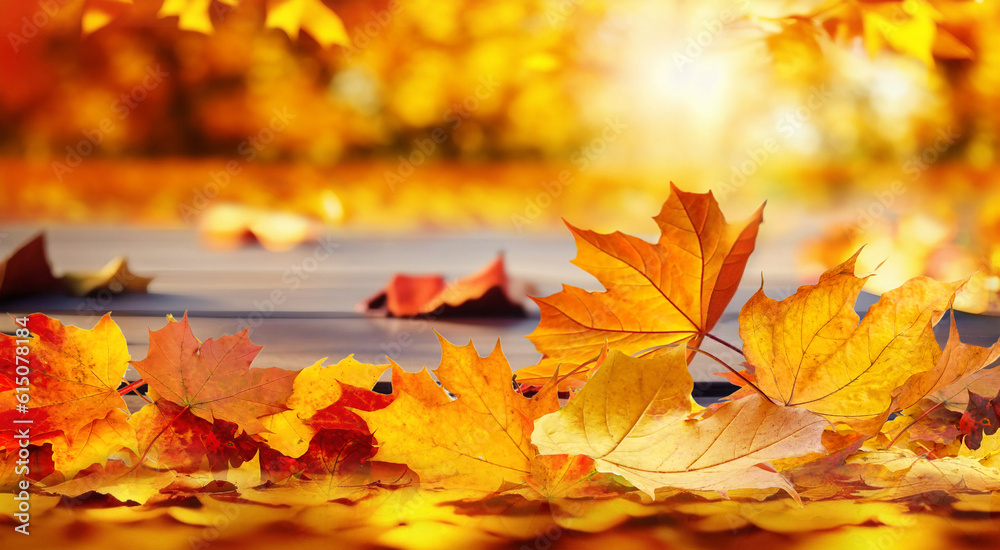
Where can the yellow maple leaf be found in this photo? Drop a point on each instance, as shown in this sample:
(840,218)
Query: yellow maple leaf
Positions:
(95,443)
(913,36)
(315,387)
(480,440)
(115,278)
(634,418)
(810,350)
(957,363)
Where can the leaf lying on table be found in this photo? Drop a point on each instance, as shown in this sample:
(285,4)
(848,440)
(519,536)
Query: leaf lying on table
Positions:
(657,294)
(948,404)
(26,272)
(41,468)
(115,278)
(924,426)
(339,446)
(957,367)
(227,226)
(95,443)
(483,294)
(636,418)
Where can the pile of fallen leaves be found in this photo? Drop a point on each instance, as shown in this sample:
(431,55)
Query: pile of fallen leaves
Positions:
(844,431)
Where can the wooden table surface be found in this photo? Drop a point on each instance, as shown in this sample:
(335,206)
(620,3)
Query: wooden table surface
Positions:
(221,290)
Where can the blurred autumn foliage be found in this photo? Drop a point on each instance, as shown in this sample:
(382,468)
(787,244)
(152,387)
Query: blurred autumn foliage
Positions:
(409,67)
(396,70)
(460,113)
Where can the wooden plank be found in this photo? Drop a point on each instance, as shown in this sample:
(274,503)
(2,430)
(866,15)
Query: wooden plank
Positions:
(233,283)
(225,291)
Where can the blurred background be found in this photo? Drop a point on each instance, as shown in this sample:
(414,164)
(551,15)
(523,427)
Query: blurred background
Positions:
(859,121)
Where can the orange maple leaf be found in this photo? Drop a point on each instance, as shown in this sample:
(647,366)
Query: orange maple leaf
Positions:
(657,294)
(74,374)
(213,379)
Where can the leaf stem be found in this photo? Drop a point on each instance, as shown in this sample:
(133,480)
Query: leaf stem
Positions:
(577,369)
(915,420)
(717,360)
(153,441)
(724,343)
(133,388)
(128,389)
